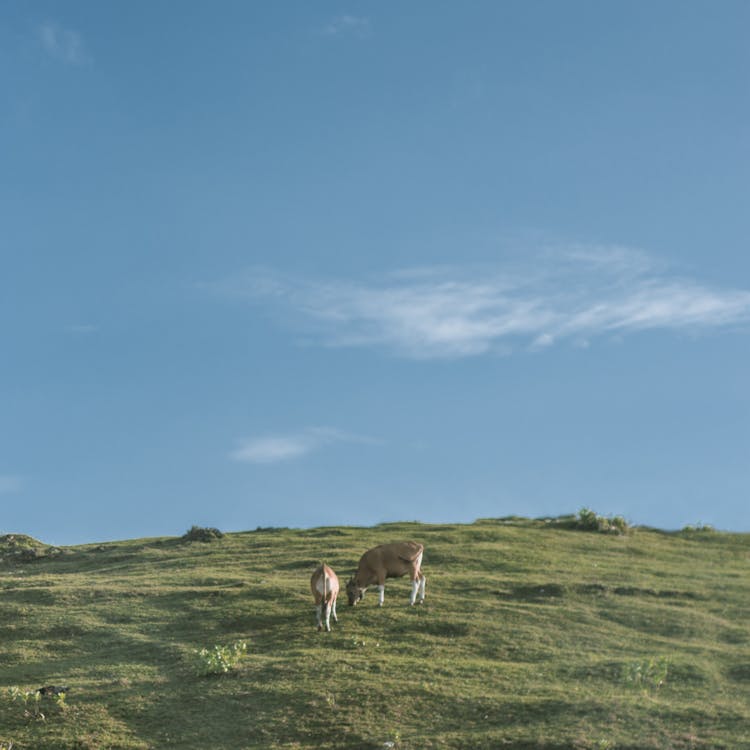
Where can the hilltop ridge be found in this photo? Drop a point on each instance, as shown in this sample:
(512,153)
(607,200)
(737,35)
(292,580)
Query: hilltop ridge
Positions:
(534,634)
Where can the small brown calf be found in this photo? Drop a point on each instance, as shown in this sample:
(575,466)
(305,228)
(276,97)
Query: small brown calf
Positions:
(324,585)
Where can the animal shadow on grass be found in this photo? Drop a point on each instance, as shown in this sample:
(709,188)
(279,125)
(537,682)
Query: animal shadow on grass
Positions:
(439,628)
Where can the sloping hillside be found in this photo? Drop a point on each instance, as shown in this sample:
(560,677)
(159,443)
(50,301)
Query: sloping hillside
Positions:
(533,635)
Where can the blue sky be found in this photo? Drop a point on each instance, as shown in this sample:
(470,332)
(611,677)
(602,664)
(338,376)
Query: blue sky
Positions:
(342,263)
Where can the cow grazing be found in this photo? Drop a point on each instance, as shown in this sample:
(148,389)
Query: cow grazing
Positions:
(388,561)
(324,585)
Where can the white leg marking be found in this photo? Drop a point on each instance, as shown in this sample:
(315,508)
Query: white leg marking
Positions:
(335,618)
(381,595)
(413,595)
(422,585)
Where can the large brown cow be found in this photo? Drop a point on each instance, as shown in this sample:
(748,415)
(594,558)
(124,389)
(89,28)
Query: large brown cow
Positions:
(388,561)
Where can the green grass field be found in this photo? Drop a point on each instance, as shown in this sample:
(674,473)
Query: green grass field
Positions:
(533,635)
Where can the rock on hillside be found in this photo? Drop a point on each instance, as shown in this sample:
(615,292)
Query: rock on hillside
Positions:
(25,548)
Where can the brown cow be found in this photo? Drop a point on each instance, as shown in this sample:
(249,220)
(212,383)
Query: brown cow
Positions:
(388,561)
(324,585)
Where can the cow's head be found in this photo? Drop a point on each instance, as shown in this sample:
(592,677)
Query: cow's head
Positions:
(354,592)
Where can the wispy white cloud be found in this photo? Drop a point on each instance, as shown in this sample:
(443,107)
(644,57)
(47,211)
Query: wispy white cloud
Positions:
(10,484)
(574,294)
(347,24)
(269,449)
(63,44)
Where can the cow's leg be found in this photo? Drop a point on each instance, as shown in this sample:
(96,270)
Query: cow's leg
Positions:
(414,588)
(318,611)
(422,584)
(327,614)
(381,588)
(333,608)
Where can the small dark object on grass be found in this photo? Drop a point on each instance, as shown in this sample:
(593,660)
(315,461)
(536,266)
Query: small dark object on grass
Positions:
(202,534)
(53,690)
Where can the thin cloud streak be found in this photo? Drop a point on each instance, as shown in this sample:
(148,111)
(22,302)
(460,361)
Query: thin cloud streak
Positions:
(575,295)
(63,44)
(347,24)
(271,449)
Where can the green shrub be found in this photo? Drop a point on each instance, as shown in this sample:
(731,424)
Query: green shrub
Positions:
(588,520)
(30,703)
(619,525)
(646,673)
(699,528)
(219,659)
(202,534)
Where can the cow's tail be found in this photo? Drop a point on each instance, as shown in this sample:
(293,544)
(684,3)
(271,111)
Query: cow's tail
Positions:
(326,590)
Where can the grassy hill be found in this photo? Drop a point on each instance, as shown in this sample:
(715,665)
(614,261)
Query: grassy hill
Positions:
(533,635)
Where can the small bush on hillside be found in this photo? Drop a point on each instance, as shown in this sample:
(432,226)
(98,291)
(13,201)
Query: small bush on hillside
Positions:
(699,528)
(219,659)
(618,525)
(30,705)
(202,534)
(647,673)
(588,520)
